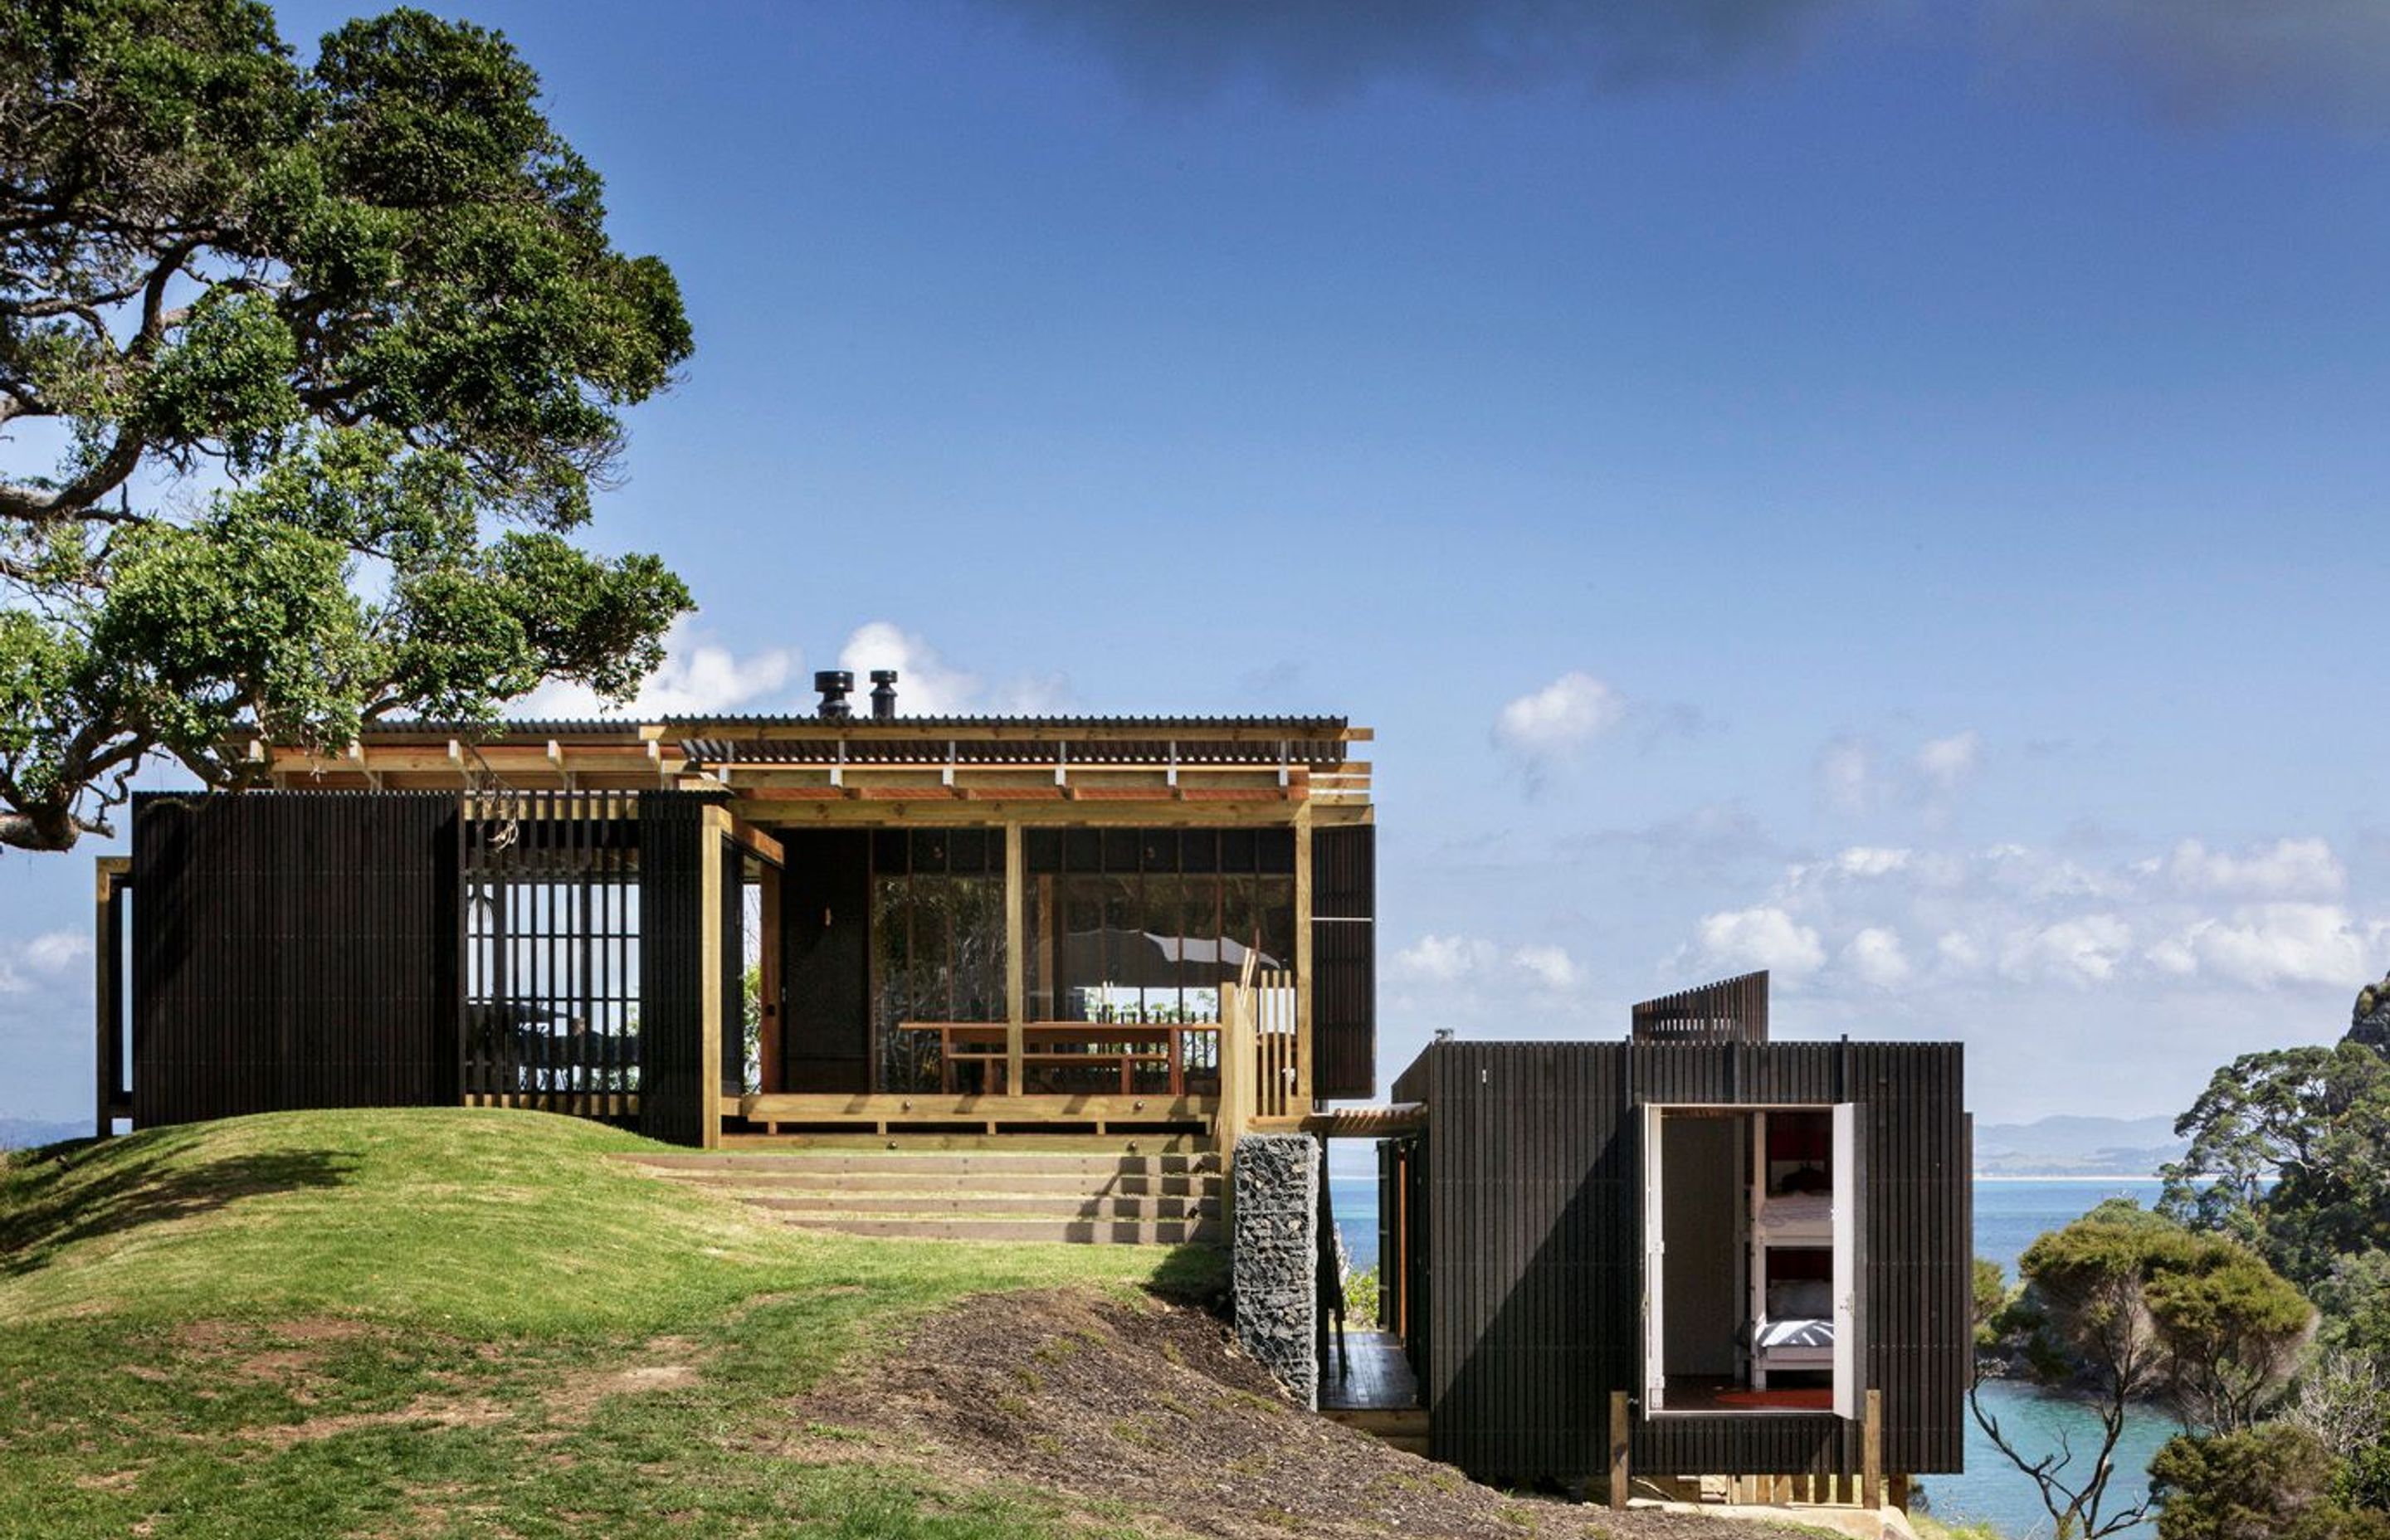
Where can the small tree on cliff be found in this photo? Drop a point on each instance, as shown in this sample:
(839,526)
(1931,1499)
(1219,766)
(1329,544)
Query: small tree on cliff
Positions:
(320,365)
(2134,1307)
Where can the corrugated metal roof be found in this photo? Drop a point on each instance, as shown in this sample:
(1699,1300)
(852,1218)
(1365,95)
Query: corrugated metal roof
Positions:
(716,727)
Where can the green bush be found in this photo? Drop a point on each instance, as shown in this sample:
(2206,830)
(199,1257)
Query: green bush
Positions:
(2274,1481)
(1361,1300)
(2364,1479)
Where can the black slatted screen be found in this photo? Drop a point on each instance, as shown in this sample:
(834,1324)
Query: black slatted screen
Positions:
(293,949)
(1344,961)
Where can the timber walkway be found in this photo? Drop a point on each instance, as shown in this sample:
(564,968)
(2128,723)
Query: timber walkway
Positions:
(1102,1192)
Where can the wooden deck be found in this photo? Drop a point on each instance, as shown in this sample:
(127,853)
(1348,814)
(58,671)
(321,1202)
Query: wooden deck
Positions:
(969,1112)
(1381,1378)
(1378,1394)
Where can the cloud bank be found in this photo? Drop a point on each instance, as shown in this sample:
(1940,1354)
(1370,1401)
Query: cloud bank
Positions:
(2269,916)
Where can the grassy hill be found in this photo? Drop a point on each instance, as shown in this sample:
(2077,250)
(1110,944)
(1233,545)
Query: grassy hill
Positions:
(476,1323)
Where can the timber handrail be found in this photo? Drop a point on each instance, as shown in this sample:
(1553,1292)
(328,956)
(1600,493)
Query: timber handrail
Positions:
(1264,1079)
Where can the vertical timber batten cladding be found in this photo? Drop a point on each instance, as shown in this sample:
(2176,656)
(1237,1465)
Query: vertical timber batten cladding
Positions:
(293,951)
(578,946)
(1343,962)
(676,1104)
(1525,1289)
(1731,1010)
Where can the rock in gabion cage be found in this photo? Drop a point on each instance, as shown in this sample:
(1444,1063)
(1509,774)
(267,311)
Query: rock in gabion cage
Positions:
(1276,1255)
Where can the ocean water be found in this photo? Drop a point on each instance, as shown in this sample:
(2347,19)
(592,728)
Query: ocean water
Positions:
(2009,1214)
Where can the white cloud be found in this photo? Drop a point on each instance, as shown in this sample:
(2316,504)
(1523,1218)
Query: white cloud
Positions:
(1875,956)
(927,684)
(2085,949)
(2285,869)
(1960,952)
(1553,724)
(1948,762)
(2266,944)
(1551,966)
(1445,959)
(55,951)
(1765,937)
(697,677)
(1870,861)
(51,956)
(1856,777)
(1450,959)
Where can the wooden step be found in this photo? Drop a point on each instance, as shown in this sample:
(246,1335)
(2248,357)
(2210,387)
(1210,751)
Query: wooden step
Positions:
(1148,1232)
(895,1139)
(1403,1428)
(991,1204)
(942,1163)
(1075,1184)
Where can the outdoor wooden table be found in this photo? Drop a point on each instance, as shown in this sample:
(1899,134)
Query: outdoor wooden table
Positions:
(1084,1045)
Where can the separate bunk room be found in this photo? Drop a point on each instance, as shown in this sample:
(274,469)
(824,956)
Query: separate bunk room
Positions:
(1752,1267)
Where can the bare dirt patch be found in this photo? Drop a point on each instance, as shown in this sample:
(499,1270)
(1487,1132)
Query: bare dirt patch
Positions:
(1154,1407)
(424,1412)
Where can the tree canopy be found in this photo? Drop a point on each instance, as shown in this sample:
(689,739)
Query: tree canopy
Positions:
(2290,1152)
(2132,1306)
(308,374)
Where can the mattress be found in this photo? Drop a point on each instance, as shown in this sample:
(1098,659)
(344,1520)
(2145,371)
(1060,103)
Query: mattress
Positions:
(1773,1335)
(1799,1210)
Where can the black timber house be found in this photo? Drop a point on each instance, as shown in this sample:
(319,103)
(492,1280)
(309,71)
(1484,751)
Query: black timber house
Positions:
(1693,1254)
(753,925)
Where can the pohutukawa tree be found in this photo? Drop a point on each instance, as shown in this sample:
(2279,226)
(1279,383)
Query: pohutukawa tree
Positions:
(307,373)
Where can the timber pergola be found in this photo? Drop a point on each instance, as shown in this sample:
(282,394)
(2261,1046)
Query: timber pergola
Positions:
(754,786)
(784,769)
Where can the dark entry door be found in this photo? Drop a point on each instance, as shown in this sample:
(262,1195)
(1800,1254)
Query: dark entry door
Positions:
(826,927)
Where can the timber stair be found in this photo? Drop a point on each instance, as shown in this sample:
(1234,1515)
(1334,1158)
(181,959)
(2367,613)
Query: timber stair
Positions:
(1403,1428)
(1092,1195)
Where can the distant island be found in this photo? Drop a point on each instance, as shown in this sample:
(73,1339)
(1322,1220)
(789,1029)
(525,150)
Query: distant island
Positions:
(2069,1146)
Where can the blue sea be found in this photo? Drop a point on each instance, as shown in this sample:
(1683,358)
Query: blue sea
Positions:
(2009,1214)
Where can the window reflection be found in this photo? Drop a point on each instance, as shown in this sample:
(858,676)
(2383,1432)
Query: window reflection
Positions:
(937,943)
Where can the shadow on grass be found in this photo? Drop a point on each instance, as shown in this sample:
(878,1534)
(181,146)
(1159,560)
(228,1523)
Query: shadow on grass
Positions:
(53,1200)
(1195,1274)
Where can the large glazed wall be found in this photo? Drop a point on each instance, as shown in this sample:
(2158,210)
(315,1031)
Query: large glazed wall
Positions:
(293,949)
(1532,1296)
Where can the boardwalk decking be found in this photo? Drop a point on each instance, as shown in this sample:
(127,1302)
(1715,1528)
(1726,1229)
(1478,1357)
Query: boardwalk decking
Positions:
(1378,1395)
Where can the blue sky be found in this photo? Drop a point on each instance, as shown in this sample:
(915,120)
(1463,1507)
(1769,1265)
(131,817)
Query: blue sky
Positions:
(1886,492)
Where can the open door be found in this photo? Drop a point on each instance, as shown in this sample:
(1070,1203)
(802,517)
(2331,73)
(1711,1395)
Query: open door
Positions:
(1655,1377)
(1850,1261)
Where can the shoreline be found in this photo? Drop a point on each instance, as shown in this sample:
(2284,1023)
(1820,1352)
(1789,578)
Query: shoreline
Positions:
(2064,1176)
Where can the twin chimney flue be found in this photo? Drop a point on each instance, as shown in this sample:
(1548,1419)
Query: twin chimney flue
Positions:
(836,685)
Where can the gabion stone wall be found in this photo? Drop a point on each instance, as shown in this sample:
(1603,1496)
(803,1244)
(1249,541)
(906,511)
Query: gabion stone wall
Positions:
(1275,1257)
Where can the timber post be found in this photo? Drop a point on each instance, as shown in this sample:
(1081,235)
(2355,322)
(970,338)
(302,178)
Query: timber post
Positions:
(1871,1451)
(1236,1071)
(1618,1445)
(1016,955)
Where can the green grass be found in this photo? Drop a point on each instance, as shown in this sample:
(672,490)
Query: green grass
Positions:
(1931,1529)
(454,1322)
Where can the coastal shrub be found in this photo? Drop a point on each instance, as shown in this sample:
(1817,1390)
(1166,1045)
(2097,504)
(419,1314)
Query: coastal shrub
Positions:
(2134,1305)
(2276,1481)
(1361,1298)
(2364,1479)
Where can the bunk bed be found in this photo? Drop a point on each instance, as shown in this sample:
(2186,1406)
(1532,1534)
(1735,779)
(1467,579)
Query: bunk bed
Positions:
(1792,1232)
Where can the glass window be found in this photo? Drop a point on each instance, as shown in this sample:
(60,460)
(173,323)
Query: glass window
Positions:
(1144,925)
(937,946)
